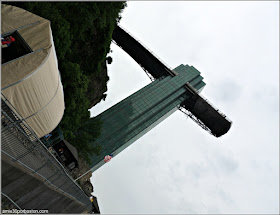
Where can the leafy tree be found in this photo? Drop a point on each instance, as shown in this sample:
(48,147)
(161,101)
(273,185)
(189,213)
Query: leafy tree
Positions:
(75,85)
(109,59)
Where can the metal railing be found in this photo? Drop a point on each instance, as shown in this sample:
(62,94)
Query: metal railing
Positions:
(169,69)
(21,144)
(166,65)
(195,119)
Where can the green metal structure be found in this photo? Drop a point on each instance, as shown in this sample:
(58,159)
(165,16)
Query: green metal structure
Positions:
(134,116)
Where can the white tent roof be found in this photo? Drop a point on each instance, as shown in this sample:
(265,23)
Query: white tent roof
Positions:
(32,82)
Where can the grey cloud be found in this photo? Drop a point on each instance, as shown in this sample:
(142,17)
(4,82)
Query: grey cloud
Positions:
(228,91)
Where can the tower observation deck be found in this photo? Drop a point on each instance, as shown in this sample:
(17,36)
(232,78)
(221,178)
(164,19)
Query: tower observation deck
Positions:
(207,116)
(169,91)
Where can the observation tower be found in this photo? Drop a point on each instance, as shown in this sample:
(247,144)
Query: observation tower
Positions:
(170,90)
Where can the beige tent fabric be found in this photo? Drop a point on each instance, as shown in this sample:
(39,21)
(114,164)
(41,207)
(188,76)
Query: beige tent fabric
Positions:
(13,18)
(48,118)
(37,36)
(21,67)
(35,91)
(32,82)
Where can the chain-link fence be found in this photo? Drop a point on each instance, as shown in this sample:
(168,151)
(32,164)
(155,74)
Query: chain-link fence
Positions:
(21,144)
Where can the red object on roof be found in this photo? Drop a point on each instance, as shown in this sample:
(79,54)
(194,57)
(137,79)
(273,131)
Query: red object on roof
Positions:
(8,40)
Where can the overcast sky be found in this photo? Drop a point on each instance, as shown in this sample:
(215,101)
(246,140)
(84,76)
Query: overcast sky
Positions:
(178,167)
